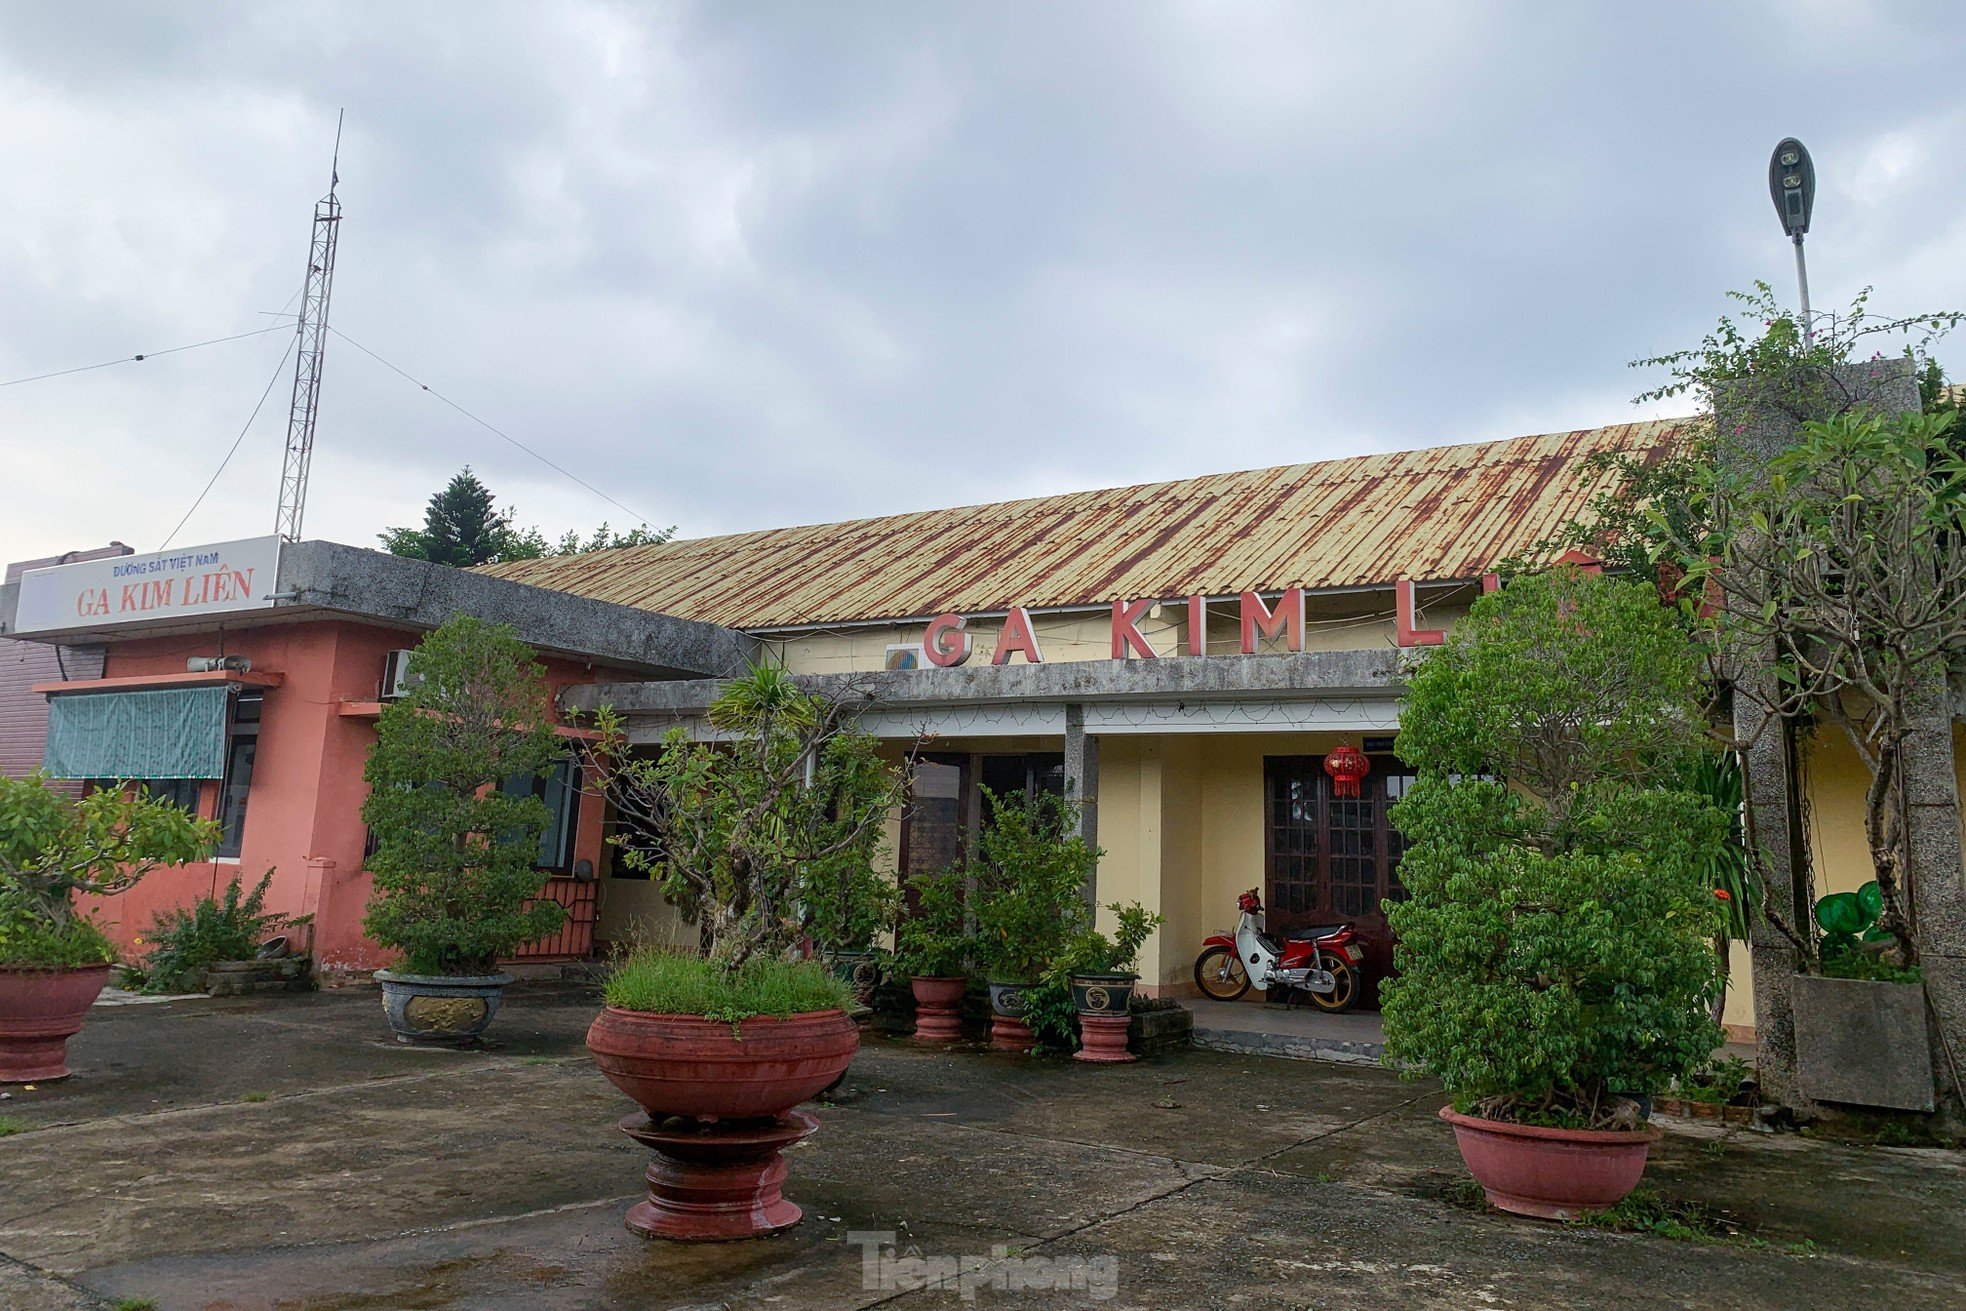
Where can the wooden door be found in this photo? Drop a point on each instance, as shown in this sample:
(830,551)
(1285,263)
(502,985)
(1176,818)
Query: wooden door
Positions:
(1331,859)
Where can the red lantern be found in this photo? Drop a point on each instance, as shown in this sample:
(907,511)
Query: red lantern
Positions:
(1348,768)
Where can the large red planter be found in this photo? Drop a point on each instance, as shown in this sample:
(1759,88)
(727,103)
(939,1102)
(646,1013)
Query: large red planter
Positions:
(938,1000)
(717,1101)
(40,1010)
(1552,1174)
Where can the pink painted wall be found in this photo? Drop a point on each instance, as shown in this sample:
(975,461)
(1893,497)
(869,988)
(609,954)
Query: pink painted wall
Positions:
(303,815)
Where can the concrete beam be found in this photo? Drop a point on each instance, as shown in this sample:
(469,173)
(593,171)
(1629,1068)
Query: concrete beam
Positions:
(317,577)
(375,584)
(1323,673)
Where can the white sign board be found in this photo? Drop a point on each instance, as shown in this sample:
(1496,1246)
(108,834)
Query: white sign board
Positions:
(197,580)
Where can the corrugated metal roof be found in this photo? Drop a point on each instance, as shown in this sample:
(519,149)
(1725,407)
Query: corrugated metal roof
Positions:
(1448,512)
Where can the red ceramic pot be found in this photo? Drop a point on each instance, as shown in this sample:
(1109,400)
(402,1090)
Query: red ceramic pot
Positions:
(40,1010)
(687,1065)
(937,1002)
(1102,1039)
(1010,1033)
(1552,1174)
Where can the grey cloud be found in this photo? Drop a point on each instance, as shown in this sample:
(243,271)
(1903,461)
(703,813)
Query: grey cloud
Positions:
(773,263)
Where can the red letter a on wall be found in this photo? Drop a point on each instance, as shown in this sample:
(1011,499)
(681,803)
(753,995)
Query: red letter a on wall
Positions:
(1017,635)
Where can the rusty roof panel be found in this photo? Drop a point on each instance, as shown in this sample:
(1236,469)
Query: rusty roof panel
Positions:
(1448,512)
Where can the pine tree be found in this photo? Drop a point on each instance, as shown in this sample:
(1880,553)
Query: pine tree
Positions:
(461,526)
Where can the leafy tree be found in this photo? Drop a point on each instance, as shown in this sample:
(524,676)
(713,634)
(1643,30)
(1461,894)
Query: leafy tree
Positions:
(753,833)
(463,527)
(1555,947)
(1841,557)
(456,878)
(53,847)
(1650,514)
(1844,557)
(1030,877)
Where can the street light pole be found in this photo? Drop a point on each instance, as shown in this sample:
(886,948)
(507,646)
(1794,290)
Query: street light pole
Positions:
(1792,186)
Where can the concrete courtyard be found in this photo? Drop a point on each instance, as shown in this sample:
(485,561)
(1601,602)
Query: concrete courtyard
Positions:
(227,1155)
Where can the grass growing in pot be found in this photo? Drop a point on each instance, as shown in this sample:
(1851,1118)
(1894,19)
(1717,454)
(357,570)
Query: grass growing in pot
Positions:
(660,982)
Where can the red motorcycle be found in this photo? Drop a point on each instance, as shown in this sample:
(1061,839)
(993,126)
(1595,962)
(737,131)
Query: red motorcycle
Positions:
(1325,961)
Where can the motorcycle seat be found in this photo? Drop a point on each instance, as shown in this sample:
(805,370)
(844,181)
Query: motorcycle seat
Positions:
(1311,932)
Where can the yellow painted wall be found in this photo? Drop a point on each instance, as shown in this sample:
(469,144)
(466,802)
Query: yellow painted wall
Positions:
(1181,818)
(1840,854)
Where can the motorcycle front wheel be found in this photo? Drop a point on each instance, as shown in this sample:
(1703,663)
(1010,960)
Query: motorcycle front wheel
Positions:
(1219,974)
(1344,995)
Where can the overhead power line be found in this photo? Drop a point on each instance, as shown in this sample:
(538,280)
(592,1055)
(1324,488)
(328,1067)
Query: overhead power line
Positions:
(147,355)
(278,369)
(497,432)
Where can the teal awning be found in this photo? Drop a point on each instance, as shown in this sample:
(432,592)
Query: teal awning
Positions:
(176,732)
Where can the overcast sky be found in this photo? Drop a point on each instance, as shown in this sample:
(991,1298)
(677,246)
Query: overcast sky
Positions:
(749,265)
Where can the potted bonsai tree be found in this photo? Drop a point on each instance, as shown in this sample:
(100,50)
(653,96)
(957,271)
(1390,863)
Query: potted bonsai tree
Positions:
(1555,948)
(933,945)
(719,1048)
(54,960)
(1030,878)
(456,859)
(1099,970)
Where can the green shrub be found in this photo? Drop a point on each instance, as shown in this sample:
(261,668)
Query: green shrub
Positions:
(934,941)
(1856,963)
(1718,1082)
(30,938)
(1049,1010)
(1092,952)
(53,847)
(455,865)
(665,983)
(1030,878)
(229,927)
(1555,947)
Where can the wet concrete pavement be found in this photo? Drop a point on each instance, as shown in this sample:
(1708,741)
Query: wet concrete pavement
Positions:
(282,1153)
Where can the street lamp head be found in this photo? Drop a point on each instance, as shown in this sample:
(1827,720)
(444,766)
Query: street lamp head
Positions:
(1792,185)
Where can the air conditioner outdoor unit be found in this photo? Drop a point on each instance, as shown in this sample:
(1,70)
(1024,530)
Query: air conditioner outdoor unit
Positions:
(396,676)
(906,657)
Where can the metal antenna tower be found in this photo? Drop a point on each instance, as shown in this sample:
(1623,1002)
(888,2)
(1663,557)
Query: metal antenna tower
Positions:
(313,329)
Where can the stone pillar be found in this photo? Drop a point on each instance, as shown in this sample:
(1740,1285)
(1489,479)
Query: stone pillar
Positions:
(1082,783)
(1770,789)
(1937,879)
(1752,433)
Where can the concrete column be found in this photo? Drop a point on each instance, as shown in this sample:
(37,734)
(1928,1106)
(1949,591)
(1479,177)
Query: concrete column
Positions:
(1752,430)
(1149,893)
(1770,789)
(1082,783)
(1936,878)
